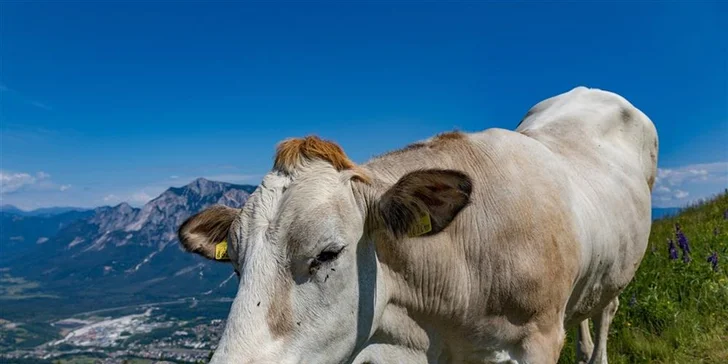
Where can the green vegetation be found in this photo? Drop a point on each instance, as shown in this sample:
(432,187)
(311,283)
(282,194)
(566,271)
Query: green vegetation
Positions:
(26,335)
(676,308)
(14,288)
(27,361)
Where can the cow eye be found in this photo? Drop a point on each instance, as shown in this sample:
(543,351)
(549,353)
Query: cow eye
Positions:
(324,257)
(327,256)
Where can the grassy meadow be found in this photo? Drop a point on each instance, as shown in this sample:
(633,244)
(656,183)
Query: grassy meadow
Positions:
(675,310)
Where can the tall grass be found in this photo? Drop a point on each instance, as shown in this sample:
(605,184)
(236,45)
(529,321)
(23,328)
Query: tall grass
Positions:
(675,310)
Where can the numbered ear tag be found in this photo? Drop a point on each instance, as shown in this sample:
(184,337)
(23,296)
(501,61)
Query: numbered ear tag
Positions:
(423,226)
(221,251)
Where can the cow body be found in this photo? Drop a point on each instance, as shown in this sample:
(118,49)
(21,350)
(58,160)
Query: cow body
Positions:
(554,226)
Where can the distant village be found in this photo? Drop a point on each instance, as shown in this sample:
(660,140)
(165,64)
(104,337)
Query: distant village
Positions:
(138,336)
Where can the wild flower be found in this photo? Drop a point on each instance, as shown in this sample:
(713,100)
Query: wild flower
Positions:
(683,243)
(671,249)
(713,260)
(725,214)
(633,300)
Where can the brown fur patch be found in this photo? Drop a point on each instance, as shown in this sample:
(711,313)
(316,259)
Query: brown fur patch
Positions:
(447,136)
(291,153)
(280,316)
(653,158)
(626,115)
(436,141)
(651,182)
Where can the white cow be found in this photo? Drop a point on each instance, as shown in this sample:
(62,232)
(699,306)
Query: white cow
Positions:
(464,248)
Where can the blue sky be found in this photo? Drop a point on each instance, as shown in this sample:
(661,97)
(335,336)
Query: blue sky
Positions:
(108,101)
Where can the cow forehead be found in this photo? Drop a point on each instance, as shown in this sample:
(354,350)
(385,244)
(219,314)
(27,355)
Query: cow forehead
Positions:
(261,207)
(295,206)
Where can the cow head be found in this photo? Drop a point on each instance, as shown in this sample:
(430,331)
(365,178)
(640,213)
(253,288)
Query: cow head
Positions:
(311,287)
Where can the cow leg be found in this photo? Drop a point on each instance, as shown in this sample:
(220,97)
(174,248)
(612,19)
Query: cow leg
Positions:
(543,346)
(584,343)
(601,328)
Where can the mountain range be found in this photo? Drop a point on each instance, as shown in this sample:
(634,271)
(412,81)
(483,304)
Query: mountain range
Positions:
(66,260)
(46,211)
(112,255)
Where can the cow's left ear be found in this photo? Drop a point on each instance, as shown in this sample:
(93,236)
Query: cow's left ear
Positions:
(424,202)
(206,232)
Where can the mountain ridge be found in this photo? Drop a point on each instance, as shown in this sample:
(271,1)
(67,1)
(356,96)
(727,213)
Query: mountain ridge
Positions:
(122,253)
(43,211)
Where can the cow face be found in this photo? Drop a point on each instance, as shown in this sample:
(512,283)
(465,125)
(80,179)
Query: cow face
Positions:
(311,288)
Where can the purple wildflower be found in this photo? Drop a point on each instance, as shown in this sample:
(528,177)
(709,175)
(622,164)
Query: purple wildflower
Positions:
(725,214)
(713,260)
(683,243)
(633,300)
(671,249)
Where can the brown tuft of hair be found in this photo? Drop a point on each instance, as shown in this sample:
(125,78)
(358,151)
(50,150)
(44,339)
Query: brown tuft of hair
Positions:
(451,135)
(292,152)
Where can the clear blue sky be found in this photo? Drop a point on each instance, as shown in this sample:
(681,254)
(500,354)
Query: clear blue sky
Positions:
(104,102)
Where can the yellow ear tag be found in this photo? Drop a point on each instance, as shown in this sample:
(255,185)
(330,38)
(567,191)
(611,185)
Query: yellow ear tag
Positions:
(423,226)
(221,251)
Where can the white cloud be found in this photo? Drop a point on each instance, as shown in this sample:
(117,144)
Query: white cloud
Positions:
(173,177)
(679,186)
(693,173)
(681,194)
(111,198)
(662,189)
(42,175)
(141,197)
(16,182)
(13,181)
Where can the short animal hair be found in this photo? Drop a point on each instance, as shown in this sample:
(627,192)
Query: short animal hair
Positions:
(293,152)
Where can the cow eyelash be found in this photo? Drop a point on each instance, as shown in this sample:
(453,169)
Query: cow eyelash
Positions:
(326,256)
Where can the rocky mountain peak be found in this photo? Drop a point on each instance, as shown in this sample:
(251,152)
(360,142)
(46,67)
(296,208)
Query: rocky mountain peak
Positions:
(123,208)
(200,186)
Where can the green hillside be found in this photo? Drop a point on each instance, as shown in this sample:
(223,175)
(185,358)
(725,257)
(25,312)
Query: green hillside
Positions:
(676,308)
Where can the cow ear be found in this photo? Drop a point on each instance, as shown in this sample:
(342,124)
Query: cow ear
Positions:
(206,232)
(424,202)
